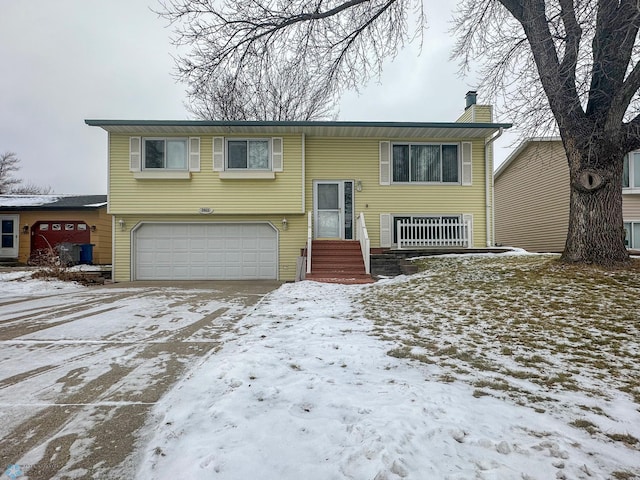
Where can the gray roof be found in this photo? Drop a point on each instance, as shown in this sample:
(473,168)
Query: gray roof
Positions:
(52,202)
(318,129)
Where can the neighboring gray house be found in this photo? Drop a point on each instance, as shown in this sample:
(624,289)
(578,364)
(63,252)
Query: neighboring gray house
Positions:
(532,197)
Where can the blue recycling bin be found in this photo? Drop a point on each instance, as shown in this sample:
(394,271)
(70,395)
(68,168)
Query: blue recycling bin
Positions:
(86,253)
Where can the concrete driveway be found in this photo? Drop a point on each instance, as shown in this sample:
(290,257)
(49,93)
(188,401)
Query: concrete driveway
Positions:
(80,370)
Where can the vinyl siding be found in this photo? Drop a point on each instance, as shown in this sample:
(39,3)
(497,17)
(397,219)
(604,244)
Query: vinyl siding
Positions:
(477,114)
(101,238)
(483,113)
(631,207)
(146,200)
(358,159)
(291,241)
(532,199)
(467,116)
(129,195)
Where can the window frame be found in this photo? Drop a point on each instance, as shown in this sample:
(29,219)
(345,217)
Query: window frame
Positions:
(629,173)
(266,140)
(629,237)
(412,216)
(459,165)
(164,168)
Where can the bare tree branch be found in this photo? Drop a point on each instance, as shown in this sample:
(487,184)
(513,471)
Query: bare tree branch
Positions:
(567,66)
(338,44)
(31,189)
(9,184)
(612,50)
(9,165)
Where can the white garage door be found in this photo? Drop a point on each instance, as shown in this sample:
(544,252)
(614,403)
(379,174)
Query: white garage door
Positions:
(205,251)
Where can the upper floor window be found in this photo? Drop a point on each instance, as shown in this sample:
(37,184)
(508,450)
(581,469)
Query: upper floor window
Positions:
(631,171)
(165,153)
(425,163)
(251,154)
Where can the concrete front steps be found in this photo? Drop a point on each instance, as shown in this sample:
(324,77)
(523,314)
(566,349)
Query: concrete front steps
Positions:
(337,261)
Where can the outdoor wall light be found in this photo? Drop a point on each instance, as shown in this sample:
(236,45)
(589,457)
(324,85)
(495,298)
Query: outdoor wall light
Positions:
(121,223)
(93,228)
(25,229)
(358,185)
(285,224)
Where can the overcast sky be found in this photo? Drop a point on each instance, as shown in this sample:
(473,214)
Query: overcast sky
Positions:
(64,61)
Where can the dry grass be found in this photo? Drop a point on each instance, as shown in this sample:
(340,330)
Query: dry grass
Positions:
(525,328)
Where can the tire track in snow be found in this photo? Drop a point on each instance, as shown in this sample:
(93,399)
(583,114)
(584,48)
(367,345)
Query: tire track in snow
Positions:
(81,418)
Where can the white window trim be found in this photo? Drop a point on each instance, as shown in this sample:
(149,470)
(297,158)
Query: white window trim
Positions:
(143,168)
(631,239)
(385,163)
(388,224)
(220,159)
(459,216)
(247,139)
(239,174)
(636,188)
(391,163)
(162,174)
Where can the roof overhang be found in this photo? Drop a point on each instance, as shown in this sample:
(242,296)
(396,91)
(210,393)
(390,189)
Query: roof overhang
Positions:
(315,129)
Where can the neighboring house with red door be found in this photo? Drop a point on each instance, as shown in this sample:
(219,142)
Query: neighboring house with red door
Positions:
(532,197)
(232,200)
(32,224)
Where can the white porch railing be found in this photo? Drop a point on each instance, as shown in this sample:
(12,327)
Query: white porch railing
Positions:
(432,232)
(309,240)
(362,235)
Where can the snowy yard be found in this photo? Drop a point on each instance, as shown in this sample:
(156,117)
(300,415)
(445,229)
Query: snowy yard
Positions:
(480,367)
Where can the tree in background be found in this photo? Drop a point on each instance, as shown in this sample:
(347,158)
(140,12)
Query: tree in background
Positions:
(569,65)
(9,165)
(277,94)
(9,184)
(267,55)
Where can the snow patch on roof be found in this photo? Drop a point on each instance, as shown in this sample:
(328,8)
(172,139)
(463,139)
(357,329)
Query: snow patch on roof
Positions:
(27,200)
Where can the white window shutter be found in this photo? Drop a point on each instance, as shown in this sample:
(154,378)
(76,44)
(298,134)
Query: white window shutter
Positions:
(218,154)
(194,154)
(276,154)
(467,218)
(134,153)
(385,229)
(385,164)
(466,163)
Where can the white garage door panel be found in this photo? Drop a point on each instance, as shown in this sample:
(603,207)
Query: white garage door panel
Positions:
(211,251)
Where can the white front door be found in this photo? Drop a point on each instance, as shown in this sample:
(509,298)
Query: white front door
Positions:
(333,205)
(9,233)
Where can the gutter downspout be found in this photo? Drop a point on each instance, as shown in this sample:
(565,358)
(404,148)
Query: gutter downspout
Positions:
(489,199)
(304,173)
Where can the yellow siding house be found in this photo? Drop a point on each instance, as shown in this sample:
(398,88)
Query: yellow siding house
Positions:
(241,199)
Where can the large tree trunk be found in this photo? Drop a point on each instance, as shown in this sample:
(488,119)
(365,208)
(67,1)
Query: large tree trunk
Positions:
(596,233)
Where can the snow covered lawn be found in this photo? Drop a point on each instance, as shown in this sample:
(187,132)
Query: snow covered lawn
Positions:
(483,367)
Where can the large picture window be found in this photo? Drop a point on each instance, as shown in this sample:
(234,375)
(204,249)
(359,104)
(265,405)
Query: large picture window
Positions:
(631,171)
(425,163)
(165,153)
(251,154)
